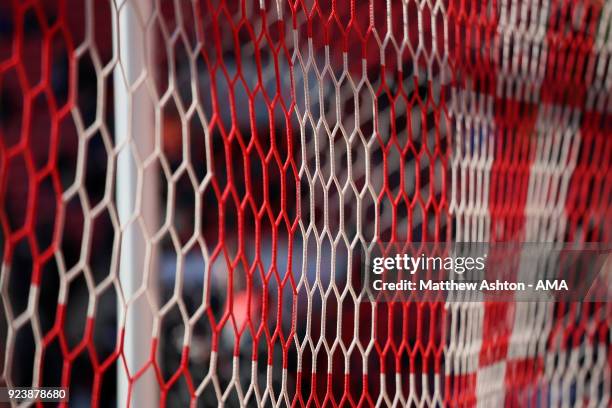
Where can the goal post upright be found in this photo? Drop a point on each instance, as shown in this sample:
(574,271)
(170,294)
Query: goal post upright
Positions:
(134,130)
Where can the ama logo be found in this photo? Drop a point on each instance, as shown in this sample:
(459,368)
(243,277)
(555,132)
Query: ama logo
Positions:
(552,285)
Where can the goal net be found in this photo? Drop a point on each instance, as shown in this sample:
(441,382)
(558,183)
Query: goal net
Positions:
(187,189)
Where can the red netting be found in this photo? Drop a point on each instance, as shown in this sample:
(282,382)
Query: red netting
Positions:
(287,139)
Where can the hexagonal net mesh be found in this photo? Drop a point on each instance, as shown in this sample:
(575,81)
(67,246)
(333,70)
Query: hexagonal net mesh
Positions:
(185,187)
